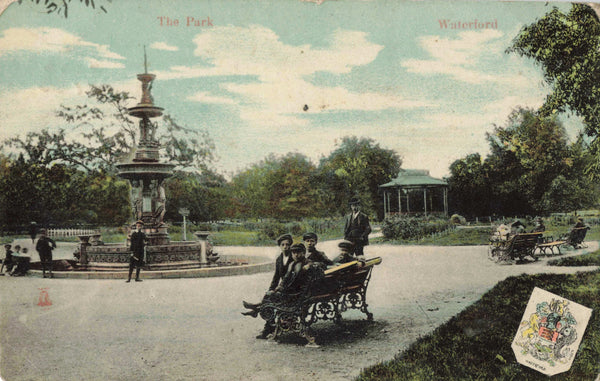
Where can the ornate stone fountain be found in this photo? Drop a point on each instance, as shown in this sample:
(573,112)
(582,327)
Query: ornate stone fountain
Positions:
(164,259)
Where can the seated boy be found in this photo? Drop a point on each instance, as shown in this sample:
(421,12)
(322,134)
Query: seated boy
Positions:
(346,255)
(313,255)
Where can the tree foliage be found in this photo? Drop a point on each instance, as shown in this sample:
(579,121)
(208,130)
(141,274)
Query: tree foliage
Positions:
(357,167)
(567,47)
(531,169)
(62,7)
(281,187)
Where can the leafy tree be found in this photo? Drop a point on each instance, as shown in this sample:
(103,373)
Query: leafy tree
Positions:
(204,194)
(531,169)
(281,187)
(105,138)
(357,167)
(468,186)
(526,155)
(567,48)
(62,7)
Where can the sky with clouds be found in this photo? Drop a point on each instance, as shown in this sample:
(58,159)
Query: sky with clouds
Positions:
(387,70)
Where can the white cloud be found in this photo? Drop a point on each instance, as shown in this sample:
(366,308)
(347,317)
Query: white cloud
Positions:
(33,109)
(278,96)
(54,40)
(163,46)
(463,57)
(205,97)
(103,64)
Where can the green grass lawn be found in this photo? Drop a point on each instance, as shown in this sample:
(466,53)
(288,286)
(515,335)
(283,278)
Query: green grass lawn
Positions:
(480,235)
(476,344)
(590,259)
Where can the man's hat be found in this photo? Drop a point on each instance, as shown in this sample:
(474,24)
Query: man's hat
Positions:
(354,201)
(139,222)
(308,236)
(283,237)
(8,246)
(345,245)
(298,248)
(42,231)
(579,218)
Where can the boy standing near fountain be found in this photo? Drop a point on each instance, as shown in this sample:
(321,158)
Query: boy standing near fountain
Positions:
(138,243)
(44,247)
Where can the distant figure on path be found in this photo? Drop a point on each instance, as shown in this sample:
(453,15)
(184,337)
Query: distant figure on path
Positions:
(8,259)
(539,226)
(579,223)
(21,261)
(44,248)
(33,231)
(138,243)
(357,228)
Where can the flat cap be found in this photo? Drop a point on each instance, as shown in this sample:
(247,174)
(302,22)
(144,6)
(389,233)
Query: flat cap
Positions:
(345,245)
(298,248)
(310,235)
(283,237)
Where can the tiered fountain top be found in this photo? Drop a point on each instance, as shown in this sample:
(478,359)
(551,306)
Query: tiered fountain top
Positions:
(145,164)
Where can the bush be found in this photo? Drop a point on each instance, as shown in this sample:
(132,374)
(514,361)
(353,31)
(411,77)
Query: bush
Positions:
(410,228)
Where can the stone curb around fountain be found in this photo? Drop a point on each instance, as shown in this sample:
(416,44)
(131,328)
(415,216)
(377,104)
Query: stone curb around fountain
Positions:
(266,265)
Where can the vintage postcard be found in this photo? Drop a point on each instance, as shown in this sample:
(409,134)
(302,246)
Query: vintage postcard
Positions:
(273,189)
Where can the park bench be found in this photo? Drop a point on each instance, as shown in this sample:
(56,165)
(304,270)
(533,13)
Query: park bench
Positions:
(576,237)
(341,288)
(518,246)
(549,243)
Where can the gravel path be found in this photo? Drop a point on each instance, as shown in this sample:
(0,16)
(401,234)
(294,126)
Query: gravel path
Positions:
(184,329)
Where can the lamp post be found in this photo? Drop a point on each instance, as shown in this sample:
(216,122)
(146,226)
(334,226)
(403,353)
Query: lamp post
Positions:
(184,212)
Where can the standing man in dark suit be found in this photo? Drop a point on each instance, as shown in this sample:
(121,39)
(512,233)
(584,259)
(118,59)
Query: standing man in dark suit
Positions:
(44,247)
(357,228)
(138,243)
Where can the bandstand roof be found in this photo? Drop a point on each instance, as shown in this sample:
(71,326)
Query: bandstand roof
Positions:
(414,178)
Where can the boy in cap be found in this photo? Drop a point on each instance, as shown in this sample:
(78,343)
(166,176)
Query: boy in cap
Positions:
(314,255)
(346,248)
(283,260)
(281,265)
(44,247)
(291,283)
(138,243)
(21,261)
(357,228)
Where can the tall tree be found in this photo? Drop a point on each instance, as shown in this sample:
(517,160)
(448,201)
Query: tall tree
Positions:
(567,47)
(281,187)
(357,167)
(102,134)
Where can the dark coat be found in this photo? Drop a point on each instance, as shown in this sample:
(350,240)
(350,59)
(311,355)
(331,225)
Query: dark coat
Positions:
(294,279)
(357,230)
(319,257)
(44,246)
(138,241)
(280,270)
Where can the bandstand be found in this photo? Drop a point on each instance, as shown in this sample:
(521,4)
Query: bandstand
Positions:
(415,192)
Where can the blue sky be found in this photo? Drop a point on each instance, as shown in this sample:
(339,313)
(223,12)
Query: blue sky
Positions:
(380,69)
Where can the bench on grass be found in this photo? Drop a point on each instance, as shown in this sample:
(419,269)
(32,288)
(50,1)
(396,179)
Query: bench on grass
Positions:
(341,288)
(518,247)
(576,237)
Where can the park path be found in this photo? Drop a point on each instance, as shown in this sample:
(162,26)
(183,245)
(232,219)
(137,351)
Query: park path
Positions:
(192,329)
